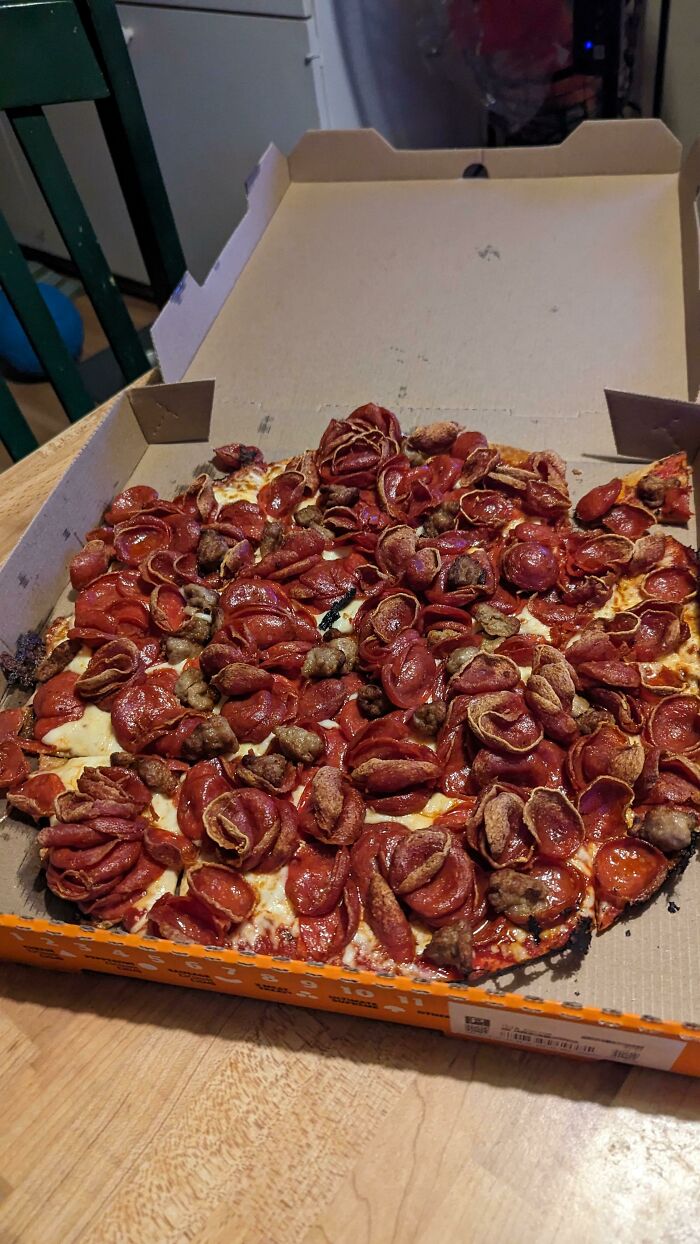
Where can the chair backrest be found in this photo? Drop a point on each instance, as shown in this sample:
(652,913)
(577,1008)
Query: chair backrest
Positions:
(61,51)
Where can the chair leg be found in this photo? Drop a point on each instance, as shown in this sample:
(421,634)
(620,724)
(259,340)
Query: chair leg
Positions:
(32,313)
(56,184)
(131,147)
(15,433)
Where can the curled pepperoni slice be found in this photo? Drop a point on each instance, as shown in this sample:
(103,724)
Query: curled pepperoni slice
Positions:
(674,723)
(246,517)
(676,506)
(201,786)
(565,887)
(185,531)
(598,501)
(14,766)
(316,879)
(467,443)
(410,671)
(487,508)
(323,700)
(331,809)
(387,920)
(599,553)
(501,720)
(143,712)
(252,719)
(55,703)
(325,937)
(607,752)
(603,806)
(172,850)
(432,873)
(496,830)
(390,777)
(183,919)
(628,870)
(519,648)
(619,674)
(35,796)
(530,566)
(672,585)
(554,823)
(224,893)
(396,546)
(129,502)
(657,632)
(323,583)
(91,562)
(110,668)
(629,520)
(168,608)
(256,830)
(542,766)
(283,494)
(240,679)
(486,672)
(139,537)
(11,722)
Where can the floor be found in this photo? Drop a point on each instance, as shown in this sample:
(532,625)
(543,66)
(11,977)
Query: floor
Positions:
(37,400)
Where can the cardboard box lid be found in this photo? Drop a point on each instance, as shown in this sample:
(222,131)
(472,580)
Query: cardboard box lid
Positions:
(364,273)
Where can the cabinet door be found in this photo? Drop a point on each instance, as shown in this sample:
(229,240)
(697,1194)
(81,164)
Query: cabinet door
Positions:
(217,88)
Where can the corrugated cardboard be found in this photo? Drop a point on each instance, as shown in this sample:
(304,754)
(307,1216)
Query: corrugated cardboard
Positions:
(361,273)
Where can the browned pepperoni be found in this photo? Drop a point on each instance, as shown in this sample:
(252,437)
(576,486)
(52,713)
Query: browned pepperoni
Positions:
(629,520)
(674,724)
(672,585)
(530,566)
(598,501)
(628,870)
(316,878)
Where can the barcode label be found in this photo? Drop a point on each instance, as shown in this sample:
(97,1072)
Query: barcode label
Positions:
(563,1036)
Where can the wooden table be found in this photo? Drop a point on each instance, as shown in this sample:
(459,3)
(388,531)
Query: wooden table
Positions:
(139,1112)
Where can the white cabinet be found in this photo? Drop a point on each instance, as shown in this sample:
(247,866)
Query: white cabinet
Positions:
(217,87)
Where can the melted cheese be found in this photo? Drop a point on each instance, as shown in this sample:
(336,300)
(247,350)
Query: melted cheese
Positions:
(246,484)
(273,910)
(165,884)
(165,813)
(529,625)
(80,661)
(92,735)
(436,806)
(70,770)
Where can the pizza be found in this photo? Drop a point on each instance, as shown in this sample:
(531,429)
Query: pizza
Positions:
(393,704)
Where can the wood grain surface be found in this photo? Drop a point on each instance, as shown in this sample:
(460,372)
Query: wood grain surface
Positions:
(137,1112)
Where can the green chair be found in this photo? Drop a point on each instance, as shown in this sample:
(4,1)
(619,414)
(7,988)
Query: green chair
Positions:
(59,51)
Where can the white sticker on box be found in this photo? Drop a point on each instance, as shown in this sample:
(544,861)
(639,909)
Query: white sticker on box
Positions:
(563,1036)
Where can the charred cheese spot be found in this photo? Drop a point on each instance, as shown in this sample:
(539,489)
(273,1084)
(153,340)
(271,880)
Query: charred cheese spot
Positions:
(246,484)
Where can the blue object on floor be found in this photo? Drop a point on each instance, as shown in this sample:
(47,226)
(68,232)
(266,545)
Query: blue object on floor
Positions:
(15,348)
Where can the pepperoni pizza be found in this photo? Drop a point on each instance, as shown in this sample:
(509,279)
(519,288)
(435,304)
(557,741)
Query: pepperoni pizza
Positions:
(389,704)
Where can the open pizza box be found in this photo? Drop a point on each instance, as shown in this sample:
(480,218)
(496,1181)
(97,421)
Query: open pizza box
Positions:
(509,302)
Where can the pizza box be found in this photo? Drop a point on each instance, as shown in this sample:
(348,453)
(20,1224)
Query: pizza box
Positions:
(510,300)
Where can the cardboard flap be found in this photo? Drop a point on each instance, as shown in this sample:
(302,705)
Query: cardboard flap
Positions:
(454,294)
(602,148)
(170,413)
(653,427)
(186,319)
